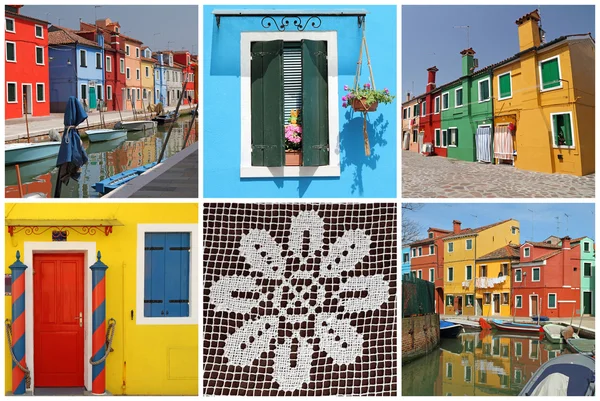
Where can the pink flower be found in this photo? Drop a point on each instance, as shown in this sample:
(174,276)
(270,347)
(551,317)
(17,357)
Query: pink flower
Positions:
(386,90)
(368,85)
(345,87)
(350,96)
(344,104)
(344,98)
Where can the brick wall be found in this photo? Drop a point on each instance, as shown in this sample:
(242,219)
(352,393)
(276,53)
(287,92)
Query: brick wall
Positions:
(420,335)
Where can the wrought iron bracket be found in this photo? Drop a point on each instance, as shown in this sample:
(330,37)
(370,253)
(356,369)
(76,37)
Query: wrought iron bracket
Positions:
(298,19)
(39,230)
(296,22)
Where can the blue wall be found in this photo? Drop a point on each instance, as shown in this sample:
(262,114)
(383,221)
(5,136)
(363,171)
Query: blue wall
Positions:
(63,77)
(160,80)
(89,73)
(361,176)
(405,266)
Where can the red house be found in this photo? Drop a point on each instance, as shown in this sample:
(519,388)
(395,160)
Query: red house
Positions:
(427,262)
(184,58)
(546,281)
(431,116)
(26,65)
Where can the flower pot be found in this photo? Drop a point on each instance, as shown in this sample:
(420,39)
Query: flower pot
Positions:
(359,105)
(293,157)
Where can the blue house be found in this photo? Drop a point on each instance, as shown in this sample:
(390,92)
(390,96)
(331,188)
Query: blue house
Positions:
(405,260)
(259,65)
(160,79)
(76,68)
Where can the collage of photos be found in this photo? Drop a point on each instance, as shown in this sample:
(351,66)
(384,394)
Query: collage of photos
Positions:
(281,161)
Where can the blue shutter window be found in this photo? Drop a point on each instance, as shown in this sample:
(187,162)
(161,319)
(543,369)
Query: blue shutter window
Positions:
(167,275)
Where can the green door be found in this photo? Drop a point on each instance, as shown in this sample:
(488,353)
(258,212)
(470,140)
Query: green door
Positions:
(92,97)
(587,303)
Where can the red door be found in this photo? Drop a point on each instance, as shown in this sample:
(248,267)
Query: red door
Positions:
(58,320)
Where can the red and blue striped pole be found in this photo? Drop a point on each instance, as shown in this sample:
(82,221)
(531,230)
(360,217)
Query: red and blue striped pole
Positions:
(18,324)
(98,325)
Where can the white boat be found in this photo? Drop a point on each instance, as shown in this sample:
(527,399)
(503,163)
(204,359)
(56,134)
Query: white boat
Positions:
(101,135)
(553,333)
(136,125)
(17,153)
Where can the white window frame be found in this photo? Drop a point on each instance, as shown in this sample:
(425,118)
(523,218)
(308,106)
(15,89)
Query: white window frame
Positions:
(555,300)
(450,267)
(14,25)
(468,279)
(559,74)
(520,373)
(449,365)
(147,71)
(420,251)
(442,101)
(96,61)
(108,92)
(99,92)
(587,263)
(554,144)
(43,56)
(108,64)
(6,42)
(246,168)
(470,373)
(122,65)
(142,229)
(81,58)
(138,74)
(513,230)
(420,274)
(467,246)
(414,252)
(127,73)
(138,94)
(432,274)
(137,52)
(511,91)
(585,243)
(432,249)
(35,27)
(533,275)
(449,139)
(36,92)
(526,252)
(517,305)
(16,93)
(521,276)
(450,243)
(437,105)
(479,90)
(456,97)
(435,137)
(127,50)
(423,108)
(442,138)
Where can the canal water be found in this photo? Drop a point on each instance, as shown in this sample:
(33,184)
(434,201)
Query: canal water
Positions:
(105,159)
(482,364)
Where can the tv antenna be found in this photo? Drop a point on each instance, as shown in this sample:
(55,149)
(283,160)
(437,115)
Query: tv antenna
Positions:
(567,216)
(557,225)
(476,220)
(468,28)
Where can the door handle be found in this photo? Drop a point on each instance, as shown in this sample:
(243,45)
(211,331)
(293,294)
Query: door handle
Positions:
(80,317)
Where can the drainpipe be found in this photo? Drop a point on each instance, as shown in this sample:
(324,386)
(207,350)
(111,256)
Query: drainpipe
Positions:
(18,324)
(98,326)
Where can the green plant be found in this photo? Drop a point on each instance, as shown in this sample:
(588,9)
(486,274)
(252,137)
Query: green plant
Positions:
(367,94)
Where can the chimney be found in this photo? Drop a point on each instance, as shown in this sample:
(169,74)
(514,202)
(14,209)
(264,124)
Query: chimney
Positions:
(456,226)
(431,78)
(114,41)
(529,30)
(407,96)
(468,65)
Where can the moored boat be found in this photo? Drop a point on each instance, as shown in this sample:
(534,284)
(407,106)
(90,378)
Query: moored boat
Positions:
(166,118)
(553,332)
(565,375)
(104,134)
(113,182)
(515,327)
(17,153)
(468,325)
(135,125)
(449,329)
(540,318)
(584,346)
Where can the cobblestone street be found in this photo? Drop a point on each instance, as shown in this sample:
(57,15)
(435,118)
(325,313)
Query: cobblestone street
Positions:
(440,177)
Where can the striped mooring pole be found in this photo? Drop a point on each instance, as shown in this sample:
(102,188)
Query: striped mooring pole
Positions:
(98,325)
(18,324)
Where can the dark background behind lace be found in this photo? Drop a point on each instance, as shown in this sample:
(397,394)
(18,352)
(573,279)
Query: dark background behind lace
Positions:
(375,372)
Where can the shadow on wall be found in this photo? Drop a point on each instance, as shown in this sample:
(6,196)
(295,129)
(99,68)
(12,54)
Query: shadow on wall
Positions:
(352,146)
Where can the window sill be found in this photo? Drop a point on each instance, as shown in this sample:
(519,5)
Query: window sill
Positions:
(563,147)
(289,171)
(551,89)
(485,100)
(504,98)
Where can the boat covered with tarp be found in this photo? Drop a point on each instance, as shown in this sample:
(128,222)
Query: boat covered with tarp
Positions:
(565,375)
(449,329)
(515,327)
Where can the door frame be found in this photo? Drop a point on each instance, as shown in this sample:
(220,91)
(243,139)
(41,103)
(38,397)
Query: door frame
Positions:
(88,249)
(29,105)
(494,303)
(537,304)
(591,302)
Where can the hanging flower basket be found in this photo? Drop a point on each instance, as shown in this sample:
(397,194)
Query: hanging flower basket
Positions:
(293,157)
(361,105)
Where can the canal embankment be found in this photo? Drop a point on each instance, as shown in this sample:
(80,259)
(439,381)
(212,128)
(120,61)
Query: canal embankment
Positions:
(420,336)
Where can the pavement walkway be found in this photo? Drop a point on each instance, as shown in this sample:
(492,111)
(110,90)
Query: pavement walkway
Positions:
(176,177)
(441,177)
(40,126)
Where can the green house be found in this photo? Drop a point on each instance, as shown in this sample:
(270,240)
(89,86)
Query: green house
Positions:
(588,268)
(466,107)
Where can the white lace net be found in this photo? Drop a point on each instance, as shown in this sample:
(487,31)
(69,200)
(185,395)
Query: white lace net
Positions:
(300,299)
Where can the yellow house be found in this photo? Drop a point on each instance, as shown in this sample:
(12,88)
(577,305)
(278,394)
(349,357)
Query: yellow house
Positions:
(147,77)
(493,280)
(65,297)
(544,102)
(492,365)
(461,250)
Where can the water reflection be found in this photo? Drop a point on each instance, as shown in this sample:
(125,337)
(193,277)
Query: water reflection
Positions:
(105,159)
(485,363)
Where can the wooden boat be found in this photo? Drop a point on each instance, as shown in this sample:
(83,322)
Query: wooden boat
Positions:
(583,346)
(111,183)
(553,332)
(136,125)
(468,325)
(515,327)
(104,134)
(450,330)
(565,375)
(166,118)
(17,153)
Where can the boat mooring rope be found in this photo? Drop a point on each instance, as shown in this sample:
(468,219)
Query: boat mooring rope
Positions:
(110,333)
(8,327)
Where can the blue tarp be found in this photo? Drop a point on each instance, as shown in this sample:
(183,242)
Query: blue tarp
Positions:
(71,155)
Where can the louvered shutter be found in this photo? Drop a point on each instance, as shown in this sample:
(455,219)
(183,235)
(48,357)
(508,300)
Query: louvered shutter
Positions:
(267,103)
(292,79)
(154,275)
(315,118)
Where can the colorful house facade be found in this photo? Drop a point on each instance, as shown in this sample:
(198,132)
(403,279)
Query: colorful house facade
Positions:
(76,267)
(587,257)
(184,58)
(544,108)
(431,116)
(76,68)
(147,77)
(334,160)
(26,67)
(405,260)
(547,280)
(160,78)
(493,283)
(462,248)
(410,124)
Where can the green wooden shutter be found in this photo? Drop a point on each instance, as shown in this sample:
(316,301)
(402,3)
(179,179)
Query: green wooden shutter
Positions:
(550,74)
(267,103)
(567,129)
(437,138)
(315,113)
(505,89)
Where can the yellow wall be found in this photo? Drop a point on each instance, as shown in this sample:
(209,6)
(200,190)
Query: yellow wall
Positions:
(493,268)
(147,359)
(148,83)
(530,109)
(485,242)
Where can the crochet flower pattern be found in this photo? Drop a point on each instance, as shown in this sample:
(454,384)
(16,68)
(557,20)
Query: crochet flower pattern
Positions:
(296,299)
